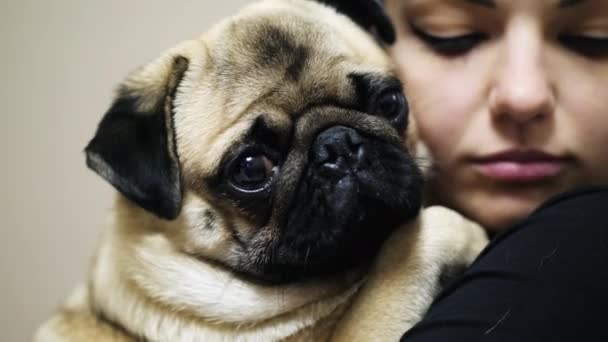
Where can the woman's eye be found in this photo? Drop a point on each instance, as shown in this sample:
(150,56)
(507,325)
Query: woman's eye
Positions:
(450,46)
(586,45)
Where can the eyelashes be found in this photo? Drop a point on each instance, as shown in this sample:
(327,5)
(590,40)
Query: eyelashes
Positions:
(587,46)
(592,47)
(449,46)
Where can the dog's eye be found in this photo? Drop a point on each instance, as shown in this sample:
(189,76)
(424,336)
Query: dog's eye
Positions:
(253,172)
(392,105)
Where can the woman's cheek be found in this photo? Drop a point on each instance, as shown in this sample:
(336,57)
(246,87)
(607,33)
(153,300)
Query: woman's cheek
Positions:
(443,106)
(582,116)
(586,130)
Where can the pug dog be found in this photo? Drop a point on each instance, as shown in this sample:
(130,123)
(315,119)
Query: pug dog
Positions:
(264,193)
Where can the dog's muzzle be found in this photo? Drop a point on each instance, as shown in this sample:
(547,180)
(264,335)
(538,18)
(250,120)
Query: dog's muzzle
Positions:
(354,191)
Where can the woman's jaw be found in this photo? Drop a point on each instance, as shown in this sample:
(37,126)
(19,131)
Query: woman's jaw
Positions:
(499,199)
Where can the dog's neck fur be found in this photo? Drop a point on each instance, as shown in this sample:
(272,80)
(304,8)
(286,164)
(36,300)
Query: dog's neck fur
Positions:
(136,276)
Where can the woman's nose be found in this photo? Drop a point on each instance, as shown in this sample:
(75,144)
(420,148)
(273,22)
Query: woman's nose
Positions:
(521,91)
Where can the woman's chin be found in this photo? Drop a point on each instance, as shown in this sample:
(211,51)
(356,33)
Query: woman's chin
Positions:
(497,212)
(497,206)
(498,221)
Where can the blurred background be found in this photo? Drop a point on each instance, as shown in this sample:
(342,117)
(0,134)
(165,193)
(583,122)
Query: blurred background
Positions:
(60,61)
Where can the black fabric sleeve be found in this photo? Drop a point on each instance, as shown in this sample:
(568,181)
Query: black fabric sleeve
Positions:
(546,279)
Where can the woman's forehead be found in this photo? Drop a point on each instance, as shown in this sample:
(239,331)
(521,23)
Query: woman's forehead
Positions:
(500,3)
(544,8)
(556,3)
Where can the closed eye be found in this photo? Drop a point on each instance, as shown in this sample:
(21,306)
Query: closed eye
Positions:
(585,45)
(449,46)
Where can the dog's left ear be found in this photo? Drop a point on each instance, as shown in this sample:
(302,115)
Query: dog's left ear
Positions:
(134,146)
(369,14)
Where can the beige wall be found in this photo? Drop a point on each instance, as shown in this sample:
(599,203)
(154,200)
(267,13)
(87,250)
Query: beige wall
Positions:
(59,62)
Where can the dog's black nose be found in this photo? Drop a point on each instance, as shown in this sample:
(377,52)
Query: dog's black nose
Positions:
(338,150)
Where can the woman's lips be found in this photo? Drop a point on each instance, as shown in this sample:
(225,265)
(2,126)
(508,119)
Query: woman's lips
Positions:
(519,166)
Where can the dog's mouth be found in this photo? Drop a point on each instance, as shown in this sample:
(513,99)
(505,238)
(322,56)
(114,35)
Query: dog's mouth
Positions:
(354,192)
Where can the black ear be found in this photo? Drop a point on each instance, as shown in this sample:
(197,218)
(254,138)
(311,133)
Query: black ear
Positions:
(369,14)
(134,147)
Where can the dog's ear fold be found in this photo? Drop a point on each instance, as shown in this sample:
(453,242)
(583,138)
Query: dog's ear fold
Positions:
(134,146)
(369,14)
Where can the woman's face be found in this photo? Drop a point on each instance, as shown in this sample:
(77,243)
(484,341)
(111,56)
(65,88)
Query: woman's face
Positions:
(510,96)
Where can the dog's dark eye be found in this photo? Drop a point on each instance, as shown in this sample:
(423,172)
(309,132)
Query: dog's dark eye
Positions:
(253,172)
(392,105)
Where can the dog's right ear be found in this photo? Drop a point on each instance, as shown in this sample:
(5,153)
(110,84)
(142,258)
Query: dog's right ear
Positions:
(134,146)
(369,14)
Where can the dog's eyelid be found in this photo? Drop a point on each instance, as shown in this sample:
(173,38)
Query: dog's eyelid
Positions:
(269,135)
(369,86)
(392,83)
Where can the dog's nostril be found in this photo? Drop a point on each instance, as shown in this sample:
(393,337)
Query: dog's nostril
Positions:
(338,148)
(333,169)
(327,153)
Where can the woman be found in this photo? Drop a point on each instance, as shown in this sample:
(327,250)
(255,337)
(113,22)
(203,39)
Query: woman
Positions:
(511,99)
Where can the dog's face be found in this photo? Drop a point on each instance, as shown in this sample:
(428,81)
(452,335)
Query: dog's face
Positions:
(273,145)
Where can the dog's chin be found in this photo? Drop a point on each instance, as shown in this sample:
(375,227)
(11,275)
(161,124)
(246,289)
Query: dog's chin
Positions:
(349,248)
(278,274)
(351,254)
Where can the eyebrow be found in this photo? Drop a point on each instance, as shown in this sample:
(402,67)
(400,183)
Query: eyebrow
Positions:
(492,3)
(484,3)
(569,3)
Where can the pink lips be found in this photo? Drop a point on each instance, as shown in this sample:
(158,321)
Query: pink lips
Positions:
(519,165)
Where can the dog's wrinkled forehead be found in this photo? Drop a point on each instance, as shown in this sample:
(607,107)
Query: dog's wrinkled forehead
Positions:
(273,60)
(303,51)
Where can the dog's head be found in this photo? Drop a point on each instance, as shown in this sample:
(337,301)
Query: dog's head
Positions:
(273,145)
